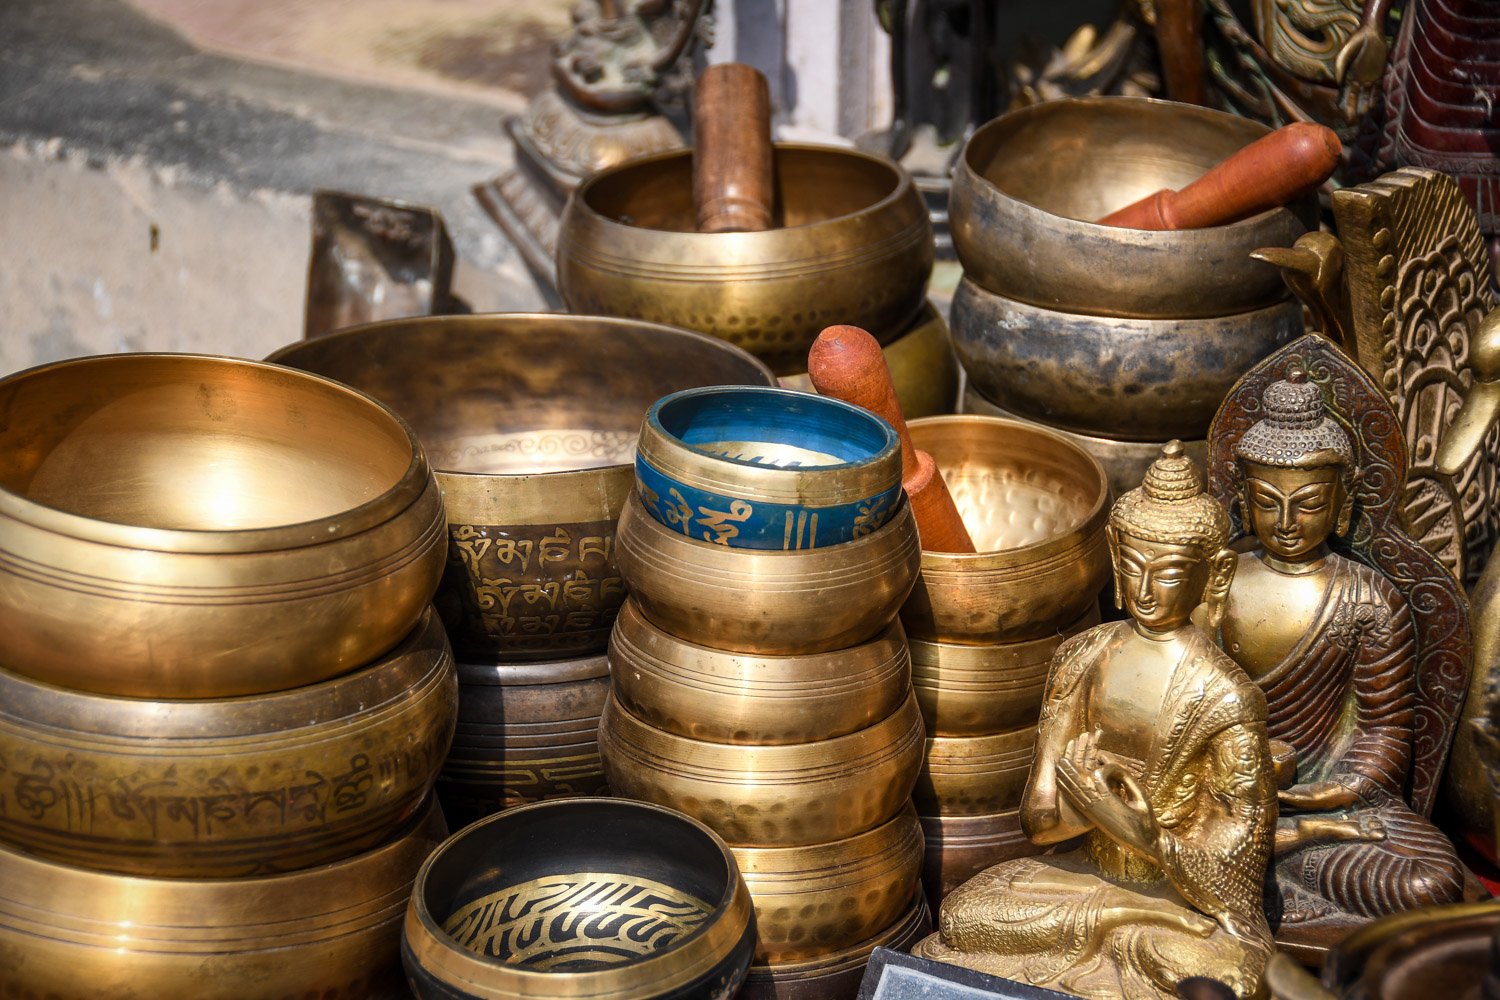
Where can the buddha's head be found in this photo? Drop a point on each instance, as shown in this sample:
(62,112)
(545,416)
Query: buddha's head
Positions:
(1167,541)
(1296,473)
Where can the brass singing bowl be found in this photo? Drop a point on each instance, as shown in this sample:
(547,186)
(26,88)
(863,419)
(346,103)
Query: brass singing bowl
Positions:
(775,796)
(526,732)
(181,526)
(333,931)
(1029,182)
(587,898)
(226,787)
(1035,505)
(851,243)
(976,690)
(707,694)
(819,899)
(1130,379)
(531,423)
(960,847)
(973,775)
(768,602)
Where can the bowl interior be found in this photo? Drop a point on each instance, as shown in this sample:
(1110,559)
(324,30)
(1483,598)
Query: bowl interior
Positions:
(577,885)
(773,427)
(523,394)
(182,442)
(812,184)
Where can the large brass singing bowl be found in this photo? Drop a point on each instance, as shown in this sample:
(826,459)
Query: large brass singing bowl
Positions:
(814,900)
(179,526)
(973,775)
(526,731)
(226,787)
(531,423)
(852,243)
(75,934)
(1129,379)
(960,847)
(707,694)
(758,601)
(1035,505)
(1028,183)
(778,796)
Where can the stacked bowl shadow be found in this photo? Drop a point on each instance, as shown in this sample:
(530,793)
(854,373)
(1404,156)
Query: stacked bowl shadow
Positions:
(982,627)
(223,697)
(1123,338)
(531,423)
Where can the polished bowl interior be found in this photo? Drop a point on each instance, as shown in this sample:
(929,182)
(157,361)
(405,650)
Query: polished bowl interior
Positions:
(531,423)
(599,898)
(973,775)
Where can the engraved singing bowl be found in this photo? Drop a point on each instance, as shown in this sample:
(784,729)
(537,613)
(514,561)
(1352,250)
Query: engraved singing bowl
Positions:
(771,796)
(589,898)
(851,243)
(328,932)
(1129,379)
(973,775)
(531,423)
(757,601)
(1029,182)
(1035,505)
(226,787)
(181,526)
(758,468)
(526,732)
(976,690)
(819,899)
(960,847)
(707,694)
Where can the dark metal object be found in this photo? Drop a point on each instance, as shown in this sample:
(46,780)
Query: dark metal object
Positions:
(892,975)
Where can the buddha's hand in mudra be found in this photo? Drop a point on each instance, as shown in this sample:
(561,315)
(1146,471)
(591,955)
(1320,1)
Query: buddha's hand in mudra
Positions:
(1107,794)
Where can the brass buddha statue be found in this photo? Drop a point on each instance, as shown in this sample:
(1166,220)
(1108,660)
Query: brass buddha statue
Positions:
(1152,747)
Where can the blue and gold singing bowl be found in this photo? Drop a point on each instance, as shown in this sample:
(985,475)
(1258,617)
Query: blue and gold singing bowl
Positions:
(760,468)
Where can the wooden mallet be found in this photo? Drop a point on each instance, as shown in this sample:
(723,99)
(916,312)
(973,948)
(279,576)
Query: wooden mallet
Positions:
(733,179)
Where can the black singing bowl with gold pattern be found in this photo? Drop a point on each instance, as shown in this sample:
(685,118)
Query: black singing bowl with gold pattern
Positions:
(330,932)
(531,423)
(590,898)
(180,526)
(231,786)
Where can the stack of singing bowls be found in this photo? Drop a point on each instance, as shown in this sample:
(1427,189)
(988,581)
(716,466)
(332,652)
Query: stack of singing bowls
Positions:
(761,680)
(224,699)
(530,422)
(1122,338)
(982,627)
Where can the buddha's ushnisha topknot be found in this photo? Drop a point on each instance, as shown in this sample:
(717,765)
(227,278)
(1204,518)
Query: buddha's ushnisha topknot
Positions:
(1296,431)
(1171,507)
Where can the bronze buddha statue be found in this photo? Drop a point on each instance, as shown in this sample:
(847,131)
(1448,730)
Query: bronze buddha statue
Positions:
(1152,746)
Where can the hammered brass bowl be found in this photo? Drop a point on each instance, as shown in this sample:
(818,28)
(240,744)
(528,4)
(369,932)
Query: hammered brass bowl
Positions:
(852,243)
(1035,505)
(329,932)
(960,847)
(226,787)
(526,732)
(778,796)
(180,526)
(597,898)
(531,423)
(1027,183)
(756,601)
(819,899)
(973,775)
(707,694)
(976,690)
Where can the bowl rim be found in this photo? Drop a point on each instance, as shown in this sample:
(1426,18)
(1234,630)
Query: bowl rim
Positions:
(386,506)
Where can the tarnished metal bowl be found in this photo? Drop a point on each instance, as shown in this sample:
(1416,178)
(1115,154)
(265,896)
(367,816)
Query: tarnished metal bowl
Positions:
(226,787)
(526,731)
(755,601)
(777,796)
(974,775)
(597,898)
(1028,183)
(531,423)
(1035,505)
(76,934)
(852,243)
(819,899)
(180,526)
(960,847)
(1127,379)
(707,694)
(835,976)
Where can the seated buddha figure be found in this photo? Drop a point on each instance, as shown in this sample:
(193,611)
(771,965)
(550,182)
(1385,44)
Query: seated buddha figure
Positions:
(1152,747)
(1331,643)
